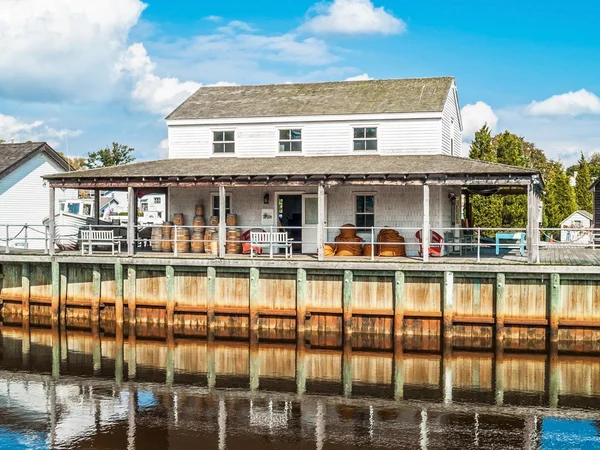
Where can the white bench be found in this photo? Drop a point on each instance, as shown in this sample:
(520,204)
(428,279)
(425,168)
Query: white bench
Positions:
(99,237)
(261,240)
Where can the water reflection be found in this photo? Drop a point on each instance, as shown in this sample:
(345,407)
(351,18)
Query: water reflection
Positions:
(79,389)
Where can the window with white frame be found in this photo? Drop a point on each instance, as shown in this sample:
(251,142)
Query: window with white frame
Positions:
(365,138)
(223,141)
(290,140)
(365,211)
(216,204)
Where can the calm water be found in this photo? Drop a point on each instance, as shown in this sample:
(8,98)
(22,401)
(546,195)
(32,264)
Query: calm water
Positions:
(82,390)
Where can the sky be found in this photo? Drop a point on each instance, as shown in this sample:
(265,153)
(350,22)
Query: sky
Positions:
(81,74)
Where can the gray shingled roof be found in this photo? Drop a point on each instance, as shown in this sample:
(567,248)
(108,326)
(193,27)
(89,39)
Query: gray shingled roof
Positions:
(13,155)
(411,95)
(300,165)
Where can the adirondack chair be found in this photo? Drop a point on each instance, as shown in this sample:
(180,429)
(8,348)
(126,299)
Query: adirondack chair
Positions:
(434,250)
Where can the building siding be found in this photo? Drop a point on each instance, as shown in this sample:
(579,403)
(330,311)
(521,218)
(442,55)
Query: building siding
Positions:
(396,207)
(395,137)
(24,186)
(450,115)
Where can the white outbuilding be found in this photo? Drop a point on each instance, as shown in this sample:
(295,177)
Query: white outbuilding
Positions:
(576,227)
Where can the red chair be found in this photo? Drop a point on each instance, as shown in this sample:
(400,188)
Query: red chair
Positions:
(245,238)
(434,250)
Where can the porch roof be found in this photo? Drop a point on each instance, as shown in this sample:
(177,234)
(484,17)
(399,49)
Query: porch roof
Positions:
(353,169)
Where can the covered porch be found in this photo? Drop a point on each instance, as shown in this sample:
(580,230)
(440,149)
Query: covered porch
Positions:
(316,199)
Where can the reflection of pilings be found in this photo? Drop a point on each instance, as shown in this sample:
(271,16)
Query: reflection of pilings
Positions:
(55,351)
(347,365)
(170,356)
(26,292)
(131,354)
(530,433)
(553,375)
(447,373)
(254,361)
(423,430)
(222,425)
(320,428)
(499,373)
(96,348)
(300,364)
(398,369)
(53,412)
(26,345)
(211,364)
(131,410)
(119,340)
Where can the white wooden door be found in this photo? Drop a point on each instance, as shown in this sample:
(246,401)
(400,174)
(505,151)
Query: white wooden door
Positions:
(310,219)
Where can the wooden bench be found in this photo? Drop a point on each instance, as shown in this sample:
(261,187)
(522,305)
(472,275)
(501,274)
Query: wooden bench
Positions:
(519,237)
(99,237)
(271,240)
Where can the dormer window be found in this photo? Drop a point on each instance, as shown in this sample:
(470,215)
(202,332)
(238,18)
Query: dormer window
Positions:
(290,140)
(365,139)
(223,141)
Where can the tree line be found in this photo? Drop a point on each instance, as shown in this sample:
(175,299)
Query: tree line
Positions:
(560,198)
(113,155)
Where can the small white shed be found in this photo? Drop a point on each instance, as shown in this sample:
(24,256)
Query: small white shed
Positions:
(575,228)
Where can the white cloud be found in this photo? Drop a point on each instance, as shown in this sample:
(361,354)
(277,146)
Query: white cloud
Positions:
(235,26)
(163,148)
(215,19)
(62,49)
(568,104)
(17,130)
(474,116)
(353,17)
(363,77)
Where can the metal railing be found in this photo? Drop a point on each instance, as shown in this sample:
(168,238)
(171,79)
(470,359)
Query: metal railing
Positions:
(467,242)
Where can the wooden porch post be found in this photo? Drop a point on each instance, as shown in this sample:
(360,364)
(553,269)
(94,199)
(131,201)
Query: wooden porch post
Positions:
(97,206)
(131,220)
(51,222)
(222,220)
(426,228)
(532,225)
(321,231)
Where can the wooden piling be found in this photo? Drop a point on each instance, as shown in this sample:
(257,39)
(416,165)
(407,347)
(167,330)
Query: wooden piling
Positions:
(55,292)
(211,293)
(55,351)
(25,292)
(131,297)
(500,305)
(62,301)
(555,306)
(119,355)
(448,304)
(347,301)
(170,279)
(300,301)
(119,293)
(96,286)
(398,369)
(254,297)
(399,303)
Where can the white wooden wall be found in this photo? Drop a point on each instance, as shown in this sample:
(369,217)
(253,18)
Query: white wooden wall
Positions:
(320,138)
(24,198)
(396,207)
(450,116)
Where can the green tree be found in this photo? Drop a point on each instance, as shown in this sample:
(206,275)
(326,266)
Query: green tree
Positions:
(509,149)
(482,147)
(76,162)
(583,181)
(115,155)
(559,200)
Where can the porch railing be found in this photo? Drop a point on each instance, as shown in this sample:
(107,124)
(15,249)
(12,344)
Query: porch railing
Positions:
(471,244)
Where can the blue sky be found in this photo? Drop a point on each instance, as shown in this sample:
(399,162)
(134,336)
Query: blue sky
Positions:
(83,73)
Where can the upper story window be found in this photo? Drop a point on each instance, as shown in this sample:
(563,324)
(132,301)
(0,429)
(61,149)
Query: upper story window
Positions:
(290,140)
(365,211)
(223,141)
(365,139)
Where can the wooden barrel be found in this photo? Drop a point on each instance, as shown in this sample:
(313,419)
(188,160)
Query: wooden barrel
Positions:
(199,210)
(178,219)
(197,244)
(182,241)
(198,223)
(231,220)
(165,244)
(155,239)
(214,243)
(234,244)
(214,221)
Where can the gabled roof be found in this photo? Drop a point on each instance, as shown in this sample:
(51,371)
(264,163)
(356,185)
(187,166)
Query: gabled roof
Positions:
(583,212)
(409,95)
(14,155)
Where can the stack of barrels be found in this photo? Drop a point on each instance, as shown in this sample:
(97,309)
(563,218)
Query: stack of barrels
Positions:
(198,224)
(180,235)
(348,243)
(212,236)
(166,243)
(234,244)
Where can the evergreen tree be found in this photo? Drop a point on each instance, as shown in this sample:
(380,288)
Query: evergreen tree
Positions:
(583,181)
(115,155)
(510,150)
(559,200)
(482,147)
